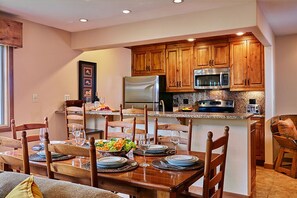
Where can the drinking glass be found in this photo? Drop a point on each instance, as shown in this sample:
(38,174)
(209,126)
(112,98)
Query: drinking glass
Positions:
(175,138)
(144,145)
(102,101)
(42,132)
(80,137)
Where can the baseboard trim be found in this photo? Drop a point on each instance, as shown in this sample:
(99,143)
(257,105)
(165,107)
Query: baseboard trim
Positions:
(197,189)
(268,166)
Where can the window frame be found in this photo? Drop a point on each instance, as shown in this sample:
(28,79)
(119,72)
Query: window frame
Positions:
(7,128)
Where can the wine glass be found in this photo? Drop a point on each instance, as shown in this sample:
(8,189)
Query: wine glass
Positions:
(80,137)
(175,138)
(144,145)
(102,101)
(42,132)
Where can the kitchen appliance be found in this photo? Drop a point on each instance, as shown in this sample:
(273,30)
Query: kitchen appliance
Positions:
(214,78)
(252,107)
(226,106)
(147,90)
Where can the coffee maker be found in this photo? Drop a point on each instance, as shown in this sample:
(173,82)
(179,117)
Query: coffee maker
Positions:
(252,107)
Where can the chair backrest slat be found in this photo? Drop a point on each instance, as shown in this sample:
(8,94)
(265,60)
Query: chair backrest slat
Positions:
(53,167)
(174,127)
(120,124)
(13,161)
(28,127)
(139,121)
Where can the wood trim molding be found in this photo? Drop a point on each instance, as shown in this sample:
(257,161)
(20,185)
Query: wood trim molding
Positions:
(11,33)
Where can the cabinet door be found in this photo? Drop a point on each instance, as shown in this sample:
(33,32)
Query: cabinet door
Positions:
(260,139)
(157,62)
(140,64)
(238,69)
(255,64)
(253,155)
(220,55)
(202,56)
(172,78)
(185,71)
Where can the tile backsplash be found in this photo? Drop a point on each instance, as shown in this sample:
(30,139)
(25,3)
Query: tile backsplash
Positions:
(241,98)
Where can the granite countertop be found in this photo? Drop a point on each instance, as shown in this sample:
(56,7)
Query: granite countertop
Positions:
(193,115)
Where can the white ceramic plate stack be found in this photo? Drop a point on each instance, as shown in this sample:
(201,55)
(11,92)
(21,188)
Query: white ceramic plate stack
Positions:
(54,155)
(156,148)
(181,160)
(111,162)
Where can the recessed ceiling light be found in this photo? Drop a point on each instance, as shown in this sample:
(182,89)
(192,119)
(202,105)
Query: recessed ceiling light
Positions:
(191,39)
(178,1)
(240,33)
(126,11)
(83,20)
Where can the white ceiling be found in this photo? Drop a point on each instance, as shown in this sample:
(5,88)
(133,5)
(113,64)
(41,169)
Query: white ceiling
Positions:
(65,14)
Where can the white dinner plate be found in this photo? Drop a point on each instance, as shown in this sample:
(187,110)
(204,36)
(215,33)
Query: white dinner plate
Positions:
(182,160)
(155,148)
(57,142)
(54,155)
(110,161)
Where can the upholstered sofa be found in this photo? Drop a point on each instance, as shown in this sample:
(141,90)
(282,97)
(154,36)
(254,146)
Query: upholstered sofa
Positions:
(52,188)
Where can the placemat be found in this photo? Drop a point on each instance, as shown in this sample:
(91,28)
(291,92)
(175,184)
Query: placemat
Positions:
(129,165)
(167,152)
(163,164)
(37,158)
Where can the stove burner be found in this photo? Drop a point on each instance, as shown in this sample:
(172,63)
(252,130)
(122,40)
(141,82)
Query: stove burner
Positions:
(216,106)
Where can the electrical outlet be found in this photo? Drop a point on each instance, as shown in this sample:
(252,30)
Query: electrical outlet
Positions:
(35,97)
(66,97)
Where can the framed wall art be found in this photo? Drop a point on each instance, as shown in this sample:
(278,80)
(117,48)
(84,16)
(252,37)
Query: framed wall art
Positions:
(87,81)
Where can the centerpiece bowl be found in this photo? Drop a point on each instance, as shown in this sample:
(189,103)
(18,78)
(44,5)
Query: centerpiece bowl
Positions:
(114,147)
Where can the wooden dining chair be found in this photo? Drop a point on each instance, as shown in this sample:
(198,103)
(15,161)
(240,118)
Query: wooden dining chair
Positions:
(75,116)
(118,133)
(28,127)
(140,121)
(13,162)
(67,169)
(213,182)
(187,129)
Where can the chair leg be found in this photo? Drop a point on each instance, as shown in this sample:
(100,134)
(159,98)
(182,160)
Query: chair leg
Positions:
(279,159)
(294,165)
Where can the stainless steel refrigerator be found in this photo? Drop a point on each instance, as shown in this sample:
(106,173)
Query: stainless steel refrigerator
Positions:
(147,90)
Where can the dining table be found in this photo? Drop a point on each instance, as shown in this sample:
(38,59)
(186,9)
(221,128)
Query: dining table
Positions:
(140,182)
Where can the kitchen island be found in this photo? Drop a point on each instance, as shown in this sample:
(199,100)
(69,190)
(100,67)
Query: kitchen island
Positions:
(238,166)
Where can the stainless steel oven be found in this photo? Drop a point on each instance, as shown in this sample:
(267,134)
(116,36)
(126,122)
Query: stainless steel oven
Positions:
(213,78)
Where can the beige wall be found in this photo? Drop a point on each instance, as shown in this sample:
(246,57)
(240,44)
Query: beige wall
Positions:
(47,66)
(285,75)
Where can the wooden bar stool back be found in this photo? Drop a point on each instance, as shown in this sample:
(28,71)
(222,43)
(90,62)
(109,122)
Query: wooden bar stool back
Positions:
(139,121)
(75,116)
(68,169)
(173,127)
(28,127)
(14,162)
(119,124)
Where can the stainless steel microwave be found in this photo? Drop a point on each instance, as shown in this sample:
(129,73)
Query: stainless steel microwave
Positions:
(213,78)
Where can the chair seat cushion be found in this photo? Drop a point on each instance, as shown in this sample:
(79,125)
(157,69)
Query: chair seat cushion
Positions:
(287,128)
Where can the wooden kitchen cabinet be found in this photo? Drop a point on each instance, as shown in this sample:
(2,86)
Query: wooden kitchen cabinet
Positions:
(214,54)
(179,67)
(253,163)
(148,60)
(259,140)
(11,33)
(246,65)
